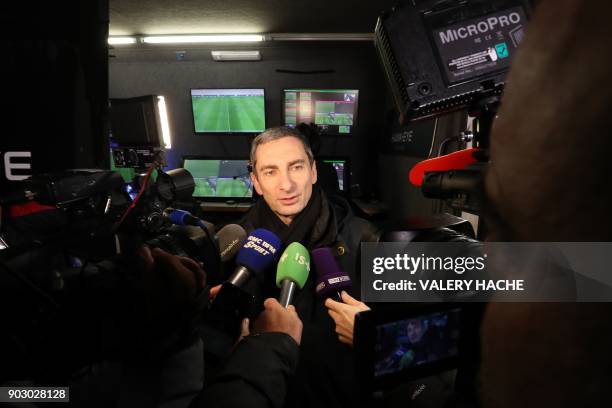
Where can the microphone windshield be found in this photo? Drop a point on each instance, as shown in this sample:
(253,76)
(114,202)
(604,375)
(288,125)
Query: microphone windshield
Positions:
(330,278)
(294,265)
(179,217)
(230,237)
(259,250)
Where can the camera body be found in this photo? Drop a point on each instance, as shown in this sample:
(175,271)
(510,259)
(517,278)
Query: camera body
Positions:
(69,275)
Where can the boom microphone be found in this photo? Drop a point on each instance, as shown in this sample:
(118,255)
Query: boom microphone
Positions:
(292,272)
(331,280)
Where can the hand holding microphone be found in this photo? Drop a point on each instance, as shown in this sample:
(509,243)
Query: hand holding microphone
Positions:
(275,318)
(343,315)
(291,275)
(332,281)
(165,292)
(232,302)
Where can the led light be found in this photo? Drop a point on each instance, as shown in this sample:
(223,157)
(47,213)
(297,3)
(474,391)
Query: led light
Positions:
(322,37)
(236,55)
(212,38)
(121,40)
(163,118)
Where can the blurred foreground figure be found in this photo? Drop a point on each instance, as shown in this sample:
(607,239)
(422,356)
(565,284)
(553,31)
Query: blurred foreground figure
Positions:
(549,180)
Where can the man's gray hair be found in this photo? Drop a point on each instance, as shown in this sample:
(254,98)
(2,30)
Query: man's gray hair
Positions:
(276,133)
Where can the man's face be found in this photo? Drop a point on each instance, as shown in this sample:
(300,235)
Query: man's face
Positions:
(414,330)
(284,176)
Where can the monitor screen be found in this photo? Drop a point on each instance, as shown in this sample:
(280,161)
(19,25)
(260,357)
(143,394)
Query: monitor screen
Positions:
(228,110)
(334,111)
(220,179)
(421,340)
(136,122)
(342,171)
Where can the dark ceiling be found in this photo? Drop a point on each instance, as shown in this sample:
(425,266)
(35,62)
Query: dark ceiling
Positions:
(130,17)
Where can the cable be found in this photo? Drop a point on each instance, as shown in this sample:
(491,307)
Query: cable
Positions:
(433,138)
(434,203)
(182,217)
(156,163)
(443,144)
(145,183)
(203,226)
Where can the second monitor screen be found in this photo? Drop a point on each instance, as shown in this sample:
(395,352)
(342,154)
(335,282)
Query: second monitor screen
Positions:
(220,179)
(334,111)
(228,110)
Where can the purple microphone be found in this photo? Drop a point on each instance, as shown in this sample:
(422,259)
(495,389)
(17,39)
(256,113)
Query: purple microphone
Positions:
(331,280)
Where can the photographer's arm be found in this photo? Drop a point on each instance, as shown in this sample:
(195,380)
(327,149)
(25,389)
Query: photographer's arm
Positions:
(257,371)
(166,294)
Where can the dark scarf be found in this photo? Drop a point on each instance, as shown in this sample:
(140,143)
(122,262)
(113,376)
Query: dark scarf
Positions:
(314,227)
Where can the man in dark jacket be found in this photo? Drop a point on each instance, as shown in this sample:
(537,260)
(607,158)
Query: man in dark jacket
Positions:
(293,207)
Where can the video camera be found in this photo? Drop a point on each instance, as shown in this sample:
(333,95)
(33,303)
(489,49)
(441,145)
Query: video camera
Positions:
(445,55)
(65,284)
(439,56)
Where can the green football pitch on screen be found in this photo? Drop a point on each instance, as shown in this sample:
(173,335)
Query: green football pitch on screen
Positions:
(221,187)
(219,178)
(225,113)
(325,114)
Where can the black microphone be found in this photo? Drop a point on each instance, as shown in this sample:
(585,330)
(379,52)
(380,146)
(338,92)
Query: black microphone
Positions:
(217,258)
(230,238)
